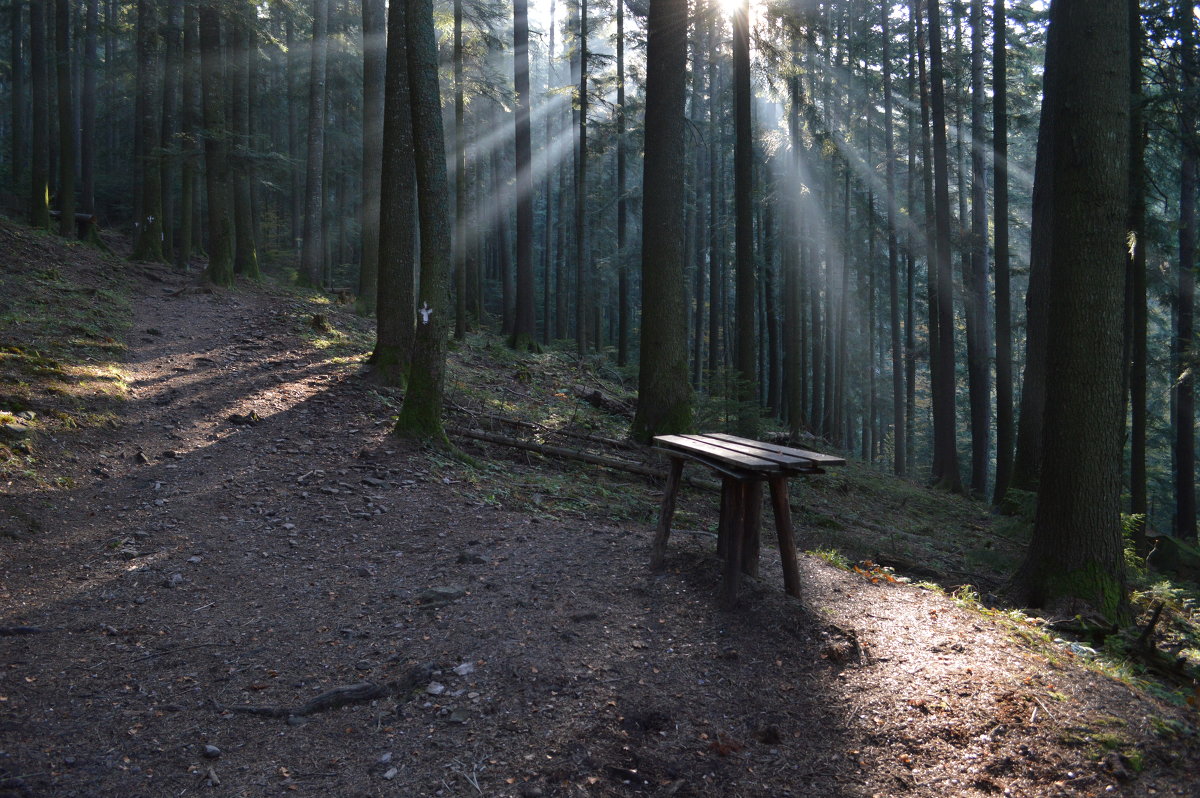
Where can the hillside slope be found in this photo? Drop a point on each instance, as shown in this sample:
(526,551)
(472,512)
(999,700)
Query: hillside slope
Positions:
(225,575)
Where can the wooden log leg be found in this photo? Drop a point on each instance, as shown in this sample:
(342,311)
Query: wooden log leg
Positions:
(725,531)
(752,522)
(658,551)
(787,541)
(735,531)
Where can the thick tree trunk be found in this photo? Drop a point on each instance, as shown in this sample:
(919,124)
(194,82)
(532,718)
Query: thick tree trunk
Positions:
(1004,365)
(743,189)
(66,119)
(421,413)
(1075,562)
(216,156)
(397,212)
(524,321)
(664,395)
(150,224)
(39,172)
(312,253)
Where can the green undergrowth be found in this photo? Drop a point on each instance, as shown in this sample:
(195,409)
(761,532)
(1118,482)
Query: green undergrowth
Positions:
(65,312)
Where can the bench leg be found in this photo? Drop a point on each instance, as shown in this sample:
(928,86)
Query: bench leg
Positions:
(733,524)
(658,551)
(787,542)
(726,525)
(751,522)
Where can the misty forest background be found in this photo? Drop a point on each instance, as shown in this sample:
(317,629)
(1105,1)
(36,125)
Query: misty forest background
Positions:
(861,185)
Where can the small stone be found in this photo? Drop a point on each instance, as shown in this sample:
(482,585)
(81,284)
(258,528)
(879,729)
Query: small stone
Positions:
(390,774)
(141,458)
(211,752)
(458,716)
(174,580)
(465,668)
(435,688)
(441,596)
(195,559)
(385,758)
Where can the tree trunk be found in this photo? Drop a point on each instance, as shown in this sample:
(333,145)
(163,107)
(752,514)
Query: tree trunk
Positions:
(582,254)
(945,474)
(374,22)
(397,212)
(899,437)
(245,253)
(623,320)
(1136,280)
(189,121)
(524,321)
(312,253)
(66,119)
(150,224)
(1004,365)
(1184,381)
(421,413)
(1027,460)
(664,394)
(460,178)
(19,140)
(295,185)
(1075,562)
(978,349)
(172,54)
(39,172)
(743,189)
(216,156)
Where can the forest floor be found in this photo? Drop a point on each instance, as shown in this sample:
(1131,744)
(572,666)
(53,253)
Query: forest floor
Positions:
(220,574)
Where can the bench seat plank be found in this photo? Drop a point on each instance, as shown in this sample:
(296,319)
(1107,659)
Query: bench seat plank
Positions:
(712,451)
(817,457)
(793,459)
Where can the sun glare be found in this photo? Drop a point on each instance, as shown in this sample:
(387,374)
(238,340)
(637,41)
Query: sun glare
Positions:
(731,7)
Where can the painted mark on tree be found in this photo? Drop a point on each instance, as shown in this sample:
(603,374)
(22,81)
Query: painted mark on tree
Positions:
(425,312)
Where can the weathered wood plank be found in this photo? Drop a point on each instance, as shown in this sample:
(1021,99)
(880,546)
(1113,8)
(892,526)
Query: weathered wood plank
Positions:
(791,461)
(716,452)
(817,457)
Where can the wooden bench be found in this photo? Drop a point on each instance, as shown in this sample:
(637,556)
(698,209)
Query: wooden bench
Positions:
(744,465)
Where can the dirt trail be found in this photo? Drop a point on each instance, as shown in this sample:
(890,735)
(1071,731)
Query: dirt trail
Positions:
(250,538)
